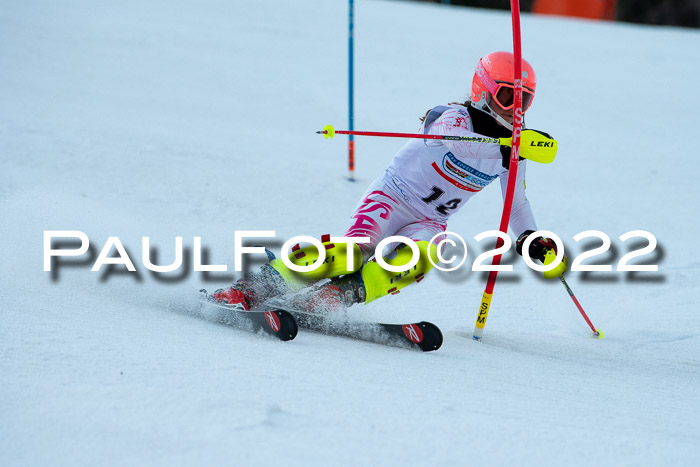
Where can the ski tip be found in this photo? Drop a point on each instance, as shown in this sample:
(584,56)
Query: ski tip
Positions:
(598,334)
(328,132)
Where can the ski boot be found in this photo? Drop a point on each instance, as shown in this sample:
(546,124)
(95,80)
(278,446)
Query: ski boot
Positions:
(240,293)
(337,295)
(249,293)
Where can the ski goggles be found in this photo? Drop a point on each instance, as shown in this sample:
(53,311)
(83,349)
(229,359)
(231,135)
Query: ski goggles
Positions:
(505,96)
(503,93)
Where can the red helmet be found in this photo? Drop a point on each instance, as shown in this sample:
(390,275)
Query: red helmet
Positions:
(493,84)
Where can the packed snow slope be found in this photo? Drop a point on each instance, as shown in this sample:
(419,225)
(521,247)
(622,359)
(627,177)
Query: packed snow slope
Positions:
(174,118)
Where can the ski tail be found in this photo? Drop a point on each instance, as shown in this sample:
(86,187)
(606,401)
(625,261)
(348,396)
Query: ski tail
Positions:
(277,323)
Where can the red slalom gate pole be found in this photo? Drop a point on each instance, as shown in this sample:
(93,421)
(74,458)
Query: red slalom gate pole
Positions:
(512,169)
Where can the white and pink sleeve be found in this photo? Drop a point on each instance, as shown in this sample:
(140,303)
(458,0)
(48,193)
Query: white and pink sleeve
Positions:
(456,122)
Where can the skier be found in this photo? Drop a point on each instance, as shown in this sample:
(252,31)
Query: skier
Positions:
(426,182)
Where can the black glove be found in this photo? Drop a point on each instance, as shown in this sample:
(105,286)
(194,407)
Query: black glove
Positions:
(538,247)
(505,153)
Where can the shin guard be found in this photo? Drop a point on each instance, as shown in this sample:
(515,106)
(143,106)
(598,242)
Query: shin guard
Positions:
(334,265)
(379,282)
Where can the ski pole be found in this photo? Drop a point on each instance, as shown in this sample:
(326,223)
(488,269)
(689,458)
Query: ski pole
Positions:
(597,332)
(328,132)
(534,145)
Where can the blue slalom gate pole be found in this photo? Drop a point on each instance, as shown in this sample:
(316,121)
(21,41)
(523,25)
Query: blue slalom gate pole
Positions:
(351,110)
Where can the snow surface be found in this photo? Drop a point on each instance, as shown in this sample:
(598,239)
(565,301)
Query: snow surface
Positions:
(167,118)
